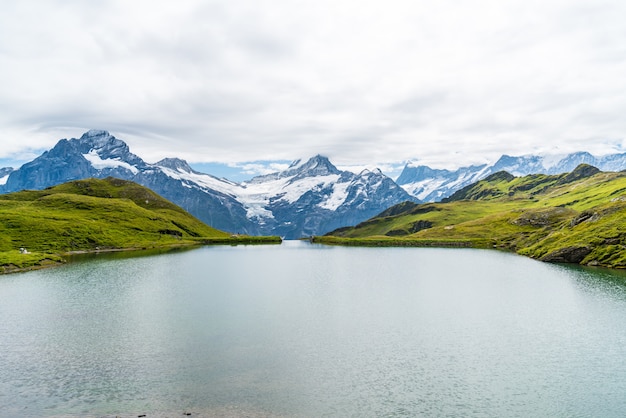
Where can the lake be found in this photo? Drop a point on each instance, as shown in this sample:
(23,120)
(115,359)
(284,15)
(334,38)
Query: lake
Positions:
(303,330)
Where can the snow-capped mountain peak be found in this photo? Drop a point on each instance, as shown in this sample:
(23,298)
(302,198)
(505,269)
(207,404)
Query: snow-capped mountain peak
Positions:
(176,164)
(96,136)
(313,197)
(317,166)
(105,152)
(102,142)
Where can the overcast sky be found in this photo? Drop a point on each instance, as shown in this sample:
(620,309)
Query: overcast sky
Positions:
(446,83)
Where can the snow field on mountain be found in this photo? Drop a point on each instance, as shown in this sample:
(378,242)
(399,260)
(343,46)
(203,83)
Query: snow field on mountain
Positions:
(98,163)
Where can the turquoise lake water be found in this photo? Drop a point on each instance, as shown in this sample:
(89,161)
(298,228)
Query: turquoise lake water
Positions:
(301,330)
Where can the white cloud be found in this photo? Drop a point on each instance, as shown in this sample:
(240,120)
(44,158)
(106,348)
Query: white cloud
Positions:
(447,83)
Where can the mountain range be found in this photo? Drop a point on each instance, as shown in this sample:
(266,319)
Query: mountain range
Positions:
(310,197)
(433,185)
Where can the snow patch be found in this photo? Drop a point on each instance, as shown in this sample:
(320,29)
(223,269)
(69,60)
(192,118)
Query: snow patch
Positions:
(337,198)
(288,190)
(3,180)
(258,211)
(257,194)
(203,180)
(254,199)
(100,164)
(300,187)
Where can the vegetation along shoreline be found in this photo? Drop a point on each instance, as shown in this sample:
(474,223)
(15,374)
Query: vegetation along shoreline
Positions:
(43,228)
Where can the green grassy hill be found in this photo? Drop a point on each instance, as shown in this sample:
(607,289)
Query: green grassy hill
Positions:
(95,215)
(578,217)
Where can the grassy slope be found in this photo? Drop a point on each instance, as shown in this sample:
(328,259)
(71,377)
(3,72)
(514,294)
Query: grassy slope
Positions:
(92,215)
(575,217)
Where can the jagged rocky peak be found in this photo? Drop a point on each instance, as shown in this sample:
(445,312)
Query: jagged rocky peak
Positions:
(315,166)
(97,138)
(413,173)
(103,143)
(95,133)
(176,164)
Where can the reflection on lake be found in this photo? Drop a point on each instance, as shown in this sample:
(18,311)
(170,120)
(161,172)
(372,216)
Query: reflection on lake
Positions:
(301,330)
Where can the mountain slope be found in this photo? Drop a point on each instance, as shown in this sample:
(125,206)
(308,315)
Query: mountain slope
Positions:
(90,215)
(309,198)
(573,217)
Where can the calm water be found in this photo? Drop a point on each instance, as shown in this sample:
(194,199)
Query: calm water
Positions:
(310,331)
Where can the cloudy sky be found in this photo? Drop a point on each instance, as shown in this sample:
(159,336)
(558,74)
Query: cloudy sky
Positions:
(446,83)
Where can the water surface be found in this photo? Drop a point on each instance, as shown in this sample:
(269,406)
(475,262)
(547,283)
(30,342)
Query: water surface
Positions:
(305,330)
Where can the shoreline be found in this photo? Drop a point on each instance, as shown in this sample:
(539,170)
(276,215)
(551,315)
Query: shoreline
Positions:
(477,243)
(50,260)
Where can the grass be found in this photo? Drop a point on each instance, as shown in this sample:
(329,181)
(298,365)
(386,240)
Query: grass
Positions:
(96,215)
(545,217)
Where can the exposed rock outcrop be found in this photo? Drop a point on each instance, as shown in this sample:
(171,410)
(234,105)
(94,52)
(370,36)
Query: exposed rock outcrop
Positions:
(567,255)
